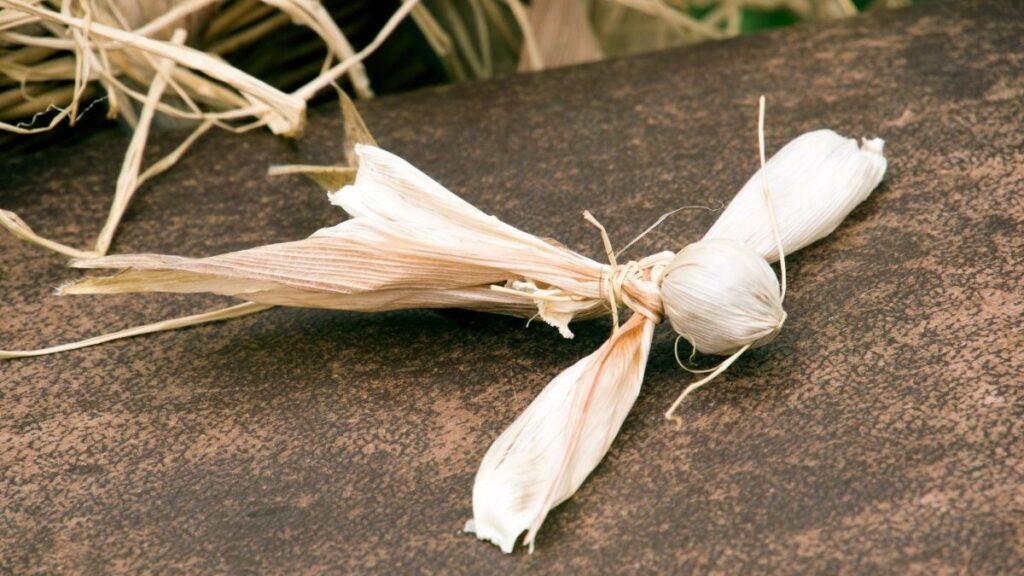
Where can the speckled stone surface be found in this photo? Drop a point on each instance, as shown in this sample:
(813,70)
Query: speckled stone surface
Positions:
(882,432)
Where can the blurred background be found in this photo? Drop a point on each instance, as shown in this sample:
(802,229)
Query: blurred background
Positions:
(57,71)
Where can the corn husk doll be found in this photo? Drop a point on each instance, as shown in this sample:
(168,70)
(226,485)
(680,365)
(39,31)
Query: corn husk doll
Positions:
(410,243)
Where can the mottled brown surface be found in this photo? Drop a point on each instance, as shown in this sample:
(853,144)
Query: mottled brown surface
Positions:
(881,433)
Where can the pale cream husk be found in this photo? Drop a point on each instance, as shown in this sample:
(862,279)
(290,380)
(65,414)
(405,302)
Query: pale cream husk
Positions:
(409,244)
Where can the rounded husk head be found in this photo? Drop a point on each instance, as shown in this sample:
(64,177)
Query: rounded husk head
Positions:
(720,295)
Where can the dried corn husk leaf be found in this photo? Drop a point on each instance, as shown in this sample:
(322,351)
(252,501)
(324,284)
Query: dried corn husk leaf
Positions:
(327,177)
(356,131)
(410,243)
(546,454)
(816,180)
(336,177)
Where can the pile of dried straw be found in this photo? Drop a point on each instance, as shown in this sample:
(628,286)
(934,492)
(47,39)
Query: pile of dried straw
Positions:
(161,62)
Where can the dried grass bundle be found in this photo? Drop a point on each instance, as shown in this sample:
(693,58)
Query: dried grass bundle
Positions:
(411,243)
(157,57)
(161,62)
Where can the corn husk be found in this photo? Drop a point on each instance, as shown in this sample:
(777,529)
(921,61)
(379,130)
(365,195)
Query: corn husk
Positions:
(817,179)
(718,293)
(804,176)
(721,296)
(546,454)
(410,243)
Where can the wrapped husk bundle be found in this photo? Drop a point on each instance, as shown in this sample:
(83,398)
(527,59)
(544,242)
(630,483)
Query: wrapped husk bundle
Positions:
(411,243)
(718,293)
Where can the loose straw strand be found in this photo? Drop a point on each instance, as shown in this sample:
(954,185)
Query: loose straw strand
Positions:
(661,219)
(671,413)
(161,326)
(128,180)
(693,354)
(319,83)
(166,162)
(530,46)
(768,199)
(610,253)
